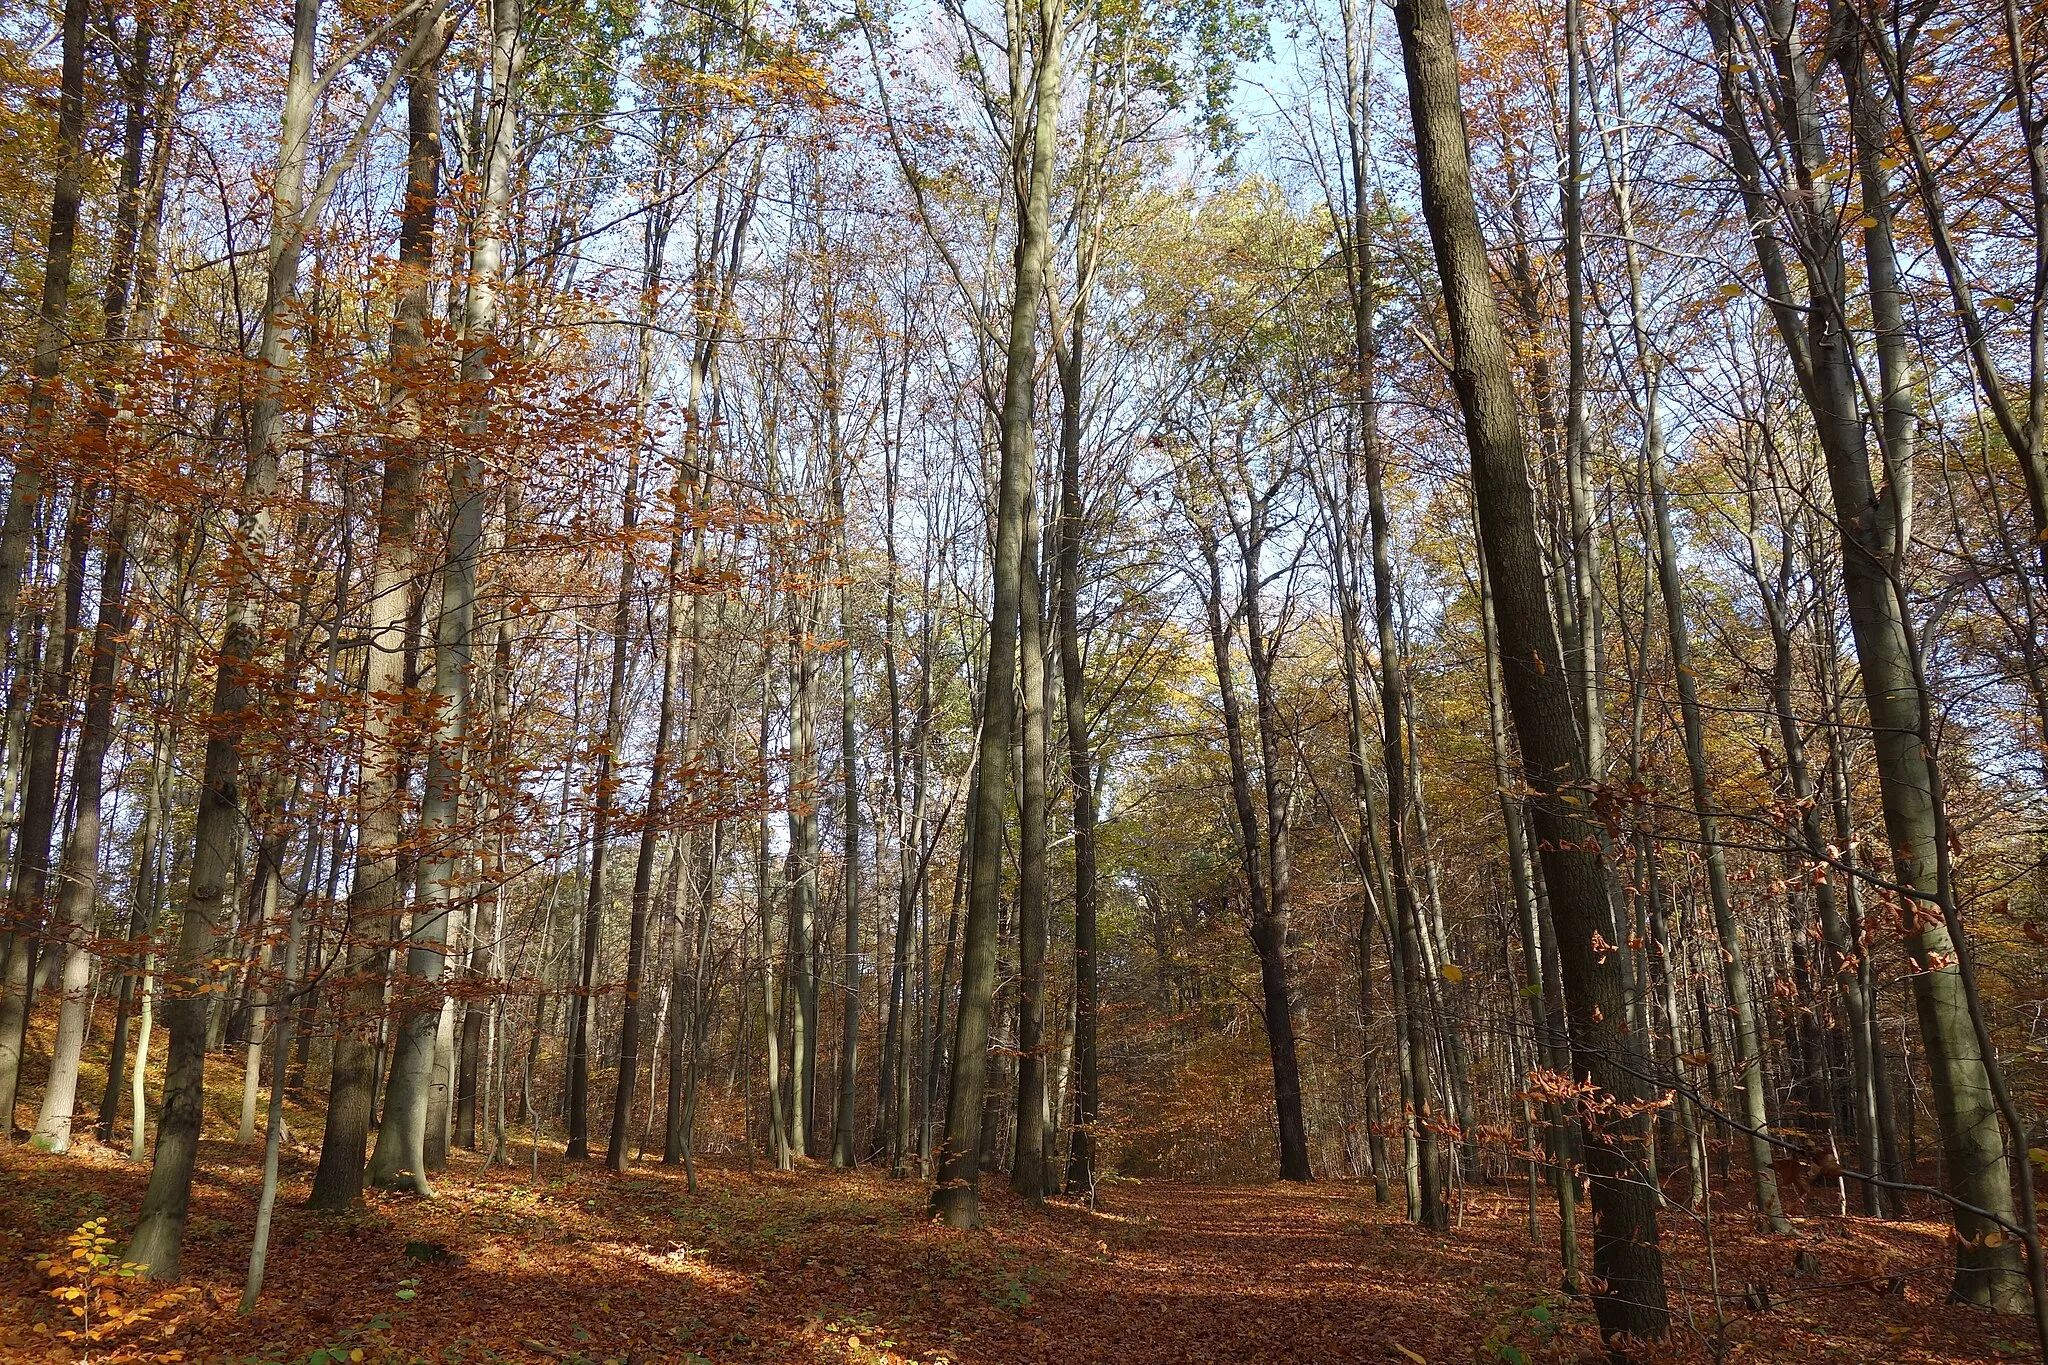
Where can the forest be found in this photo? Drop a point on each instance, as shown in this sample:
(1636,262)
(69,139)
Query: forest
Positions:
(951,681)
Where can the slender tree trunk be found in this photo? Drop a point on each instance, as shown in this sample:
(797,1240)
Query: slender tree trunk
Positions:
(802,878)
(894,1106)
(17,530)
(1872,520)
(1361,277)
(1583,631)
(771,992)
(1073,530)
(402,1157)
(377,890)
(699,1010)
(1370,901)
(159,1234)
(1626,1256)
(678,991)
(651,827)
(1271,933)
(80,865)
(78,872)
(1268,931)
(151,861)
(956,1196)
(1749,1062)
(273,1141)
(843,1154)
(1395,755)
(583,1026)
(263,902)
(1845,949)
(48,719)
(1029,1166)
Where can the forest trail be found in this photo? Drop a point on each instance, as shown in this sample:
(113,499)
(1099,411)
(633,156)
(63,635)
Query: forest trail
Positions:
(589,1267)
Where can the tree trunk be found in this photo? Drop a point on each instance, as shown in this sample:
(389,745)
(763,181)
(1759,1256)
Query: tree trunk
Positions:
(1749,1062)
(159,1234)
(651,828)
(1080,758)
(1268,930)
(1395,754)
(843,1154)
(1872,523)
(1626,1256)
(377,890)
(48,718)
(17,530)
(956,1196)
(802,877)
(280,1045)
(1029,1166)
(79,867)
(583,1025)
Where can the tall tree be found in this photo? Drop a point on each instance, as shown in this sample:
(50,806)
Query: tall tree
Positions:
(1872,516)
(1626,1256)
(1037,75)
(159,1235)
(377,889)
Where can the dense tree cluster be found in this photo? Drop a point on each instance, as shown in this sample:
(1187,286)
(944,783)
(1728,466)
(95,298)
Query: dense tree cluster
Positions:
(1444,595)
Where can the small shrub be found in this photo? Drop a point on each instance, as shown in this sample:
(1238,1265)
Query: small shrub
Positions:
(108,1301)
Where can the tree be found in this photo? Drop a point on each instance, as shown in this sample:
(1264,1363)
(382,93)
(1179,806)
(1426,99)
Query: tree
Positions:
(1626,1254)
(1035,107)
(1871,517)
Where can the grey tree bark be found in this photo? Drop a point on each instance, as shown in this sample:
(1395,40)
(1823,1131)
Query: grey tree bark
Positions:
(79,867)
(583,1022)
(1263,851)
(843,1116)
(654,257)
(955,1198)
(25,491)
(401,1156)
(802,877)
(159,1235)
(1029,1163)
(377,890)
(1751,1077)
(1630,1301)
(1871,519)
(1080,1175)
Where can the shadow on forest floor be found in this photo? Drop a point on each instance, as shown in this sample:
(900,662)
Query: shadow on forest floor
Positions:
(583,1265)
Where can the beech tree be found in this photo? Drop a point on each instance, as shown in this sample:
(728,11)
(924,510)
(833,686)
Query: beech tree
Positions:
(1029,598)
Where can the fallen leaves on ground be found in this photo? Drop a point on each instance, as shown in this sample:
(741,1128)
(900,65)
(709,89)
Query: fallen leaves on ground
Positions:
(585,1266)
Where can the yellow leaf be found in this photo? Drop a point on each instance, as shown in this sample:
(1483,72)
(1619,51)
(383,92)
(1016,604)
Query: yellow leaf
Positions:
(1453,973)
(1866,221)
(1410,1354)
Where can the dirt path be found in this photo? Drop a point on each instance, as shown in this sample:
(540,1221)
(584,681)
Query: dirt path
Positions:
(1268,1272)
(1281,1273)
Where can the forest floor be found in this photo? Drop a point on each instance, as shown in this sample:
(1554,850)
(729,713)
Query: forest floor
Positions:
(582,1265)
